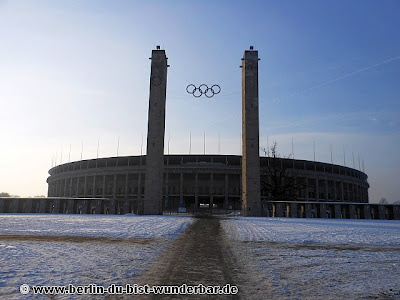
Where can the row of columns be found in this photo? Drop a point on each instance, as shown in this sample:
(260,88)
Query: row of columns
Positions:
(64,187)
(271,209)
(331,210)
(355,193)
(60,187)
(57,205)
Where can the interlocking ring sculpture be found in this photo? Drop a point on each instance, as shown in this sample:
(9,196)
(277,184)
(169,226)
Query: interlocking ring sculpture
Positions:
(203,89)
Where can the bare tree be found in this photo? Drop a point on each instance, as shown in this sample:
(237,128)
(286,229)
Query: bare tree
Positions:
(279,183)
(383,201)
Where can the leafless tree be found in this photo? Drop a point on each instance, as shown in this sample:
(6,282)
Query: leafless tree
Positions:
(278,183)
(383,201)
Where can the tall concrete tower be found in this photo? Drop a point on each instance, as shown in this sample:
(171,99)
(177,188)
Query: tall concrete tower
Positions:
(251,195)
(155,134)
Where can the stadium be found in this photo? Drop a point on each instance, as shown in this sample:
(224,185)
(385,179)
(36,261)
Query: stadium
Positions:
(195,181)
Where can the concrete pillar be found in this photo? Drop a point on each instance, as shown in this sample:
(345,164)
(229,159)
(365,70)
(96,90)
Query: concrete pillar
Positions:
(306,179)
(316,188)
(181,189)
(65,187)
(97,204)
(226,200)
(127,208)
(57,192)
(77,187)
(2,202)
(54,190)
(70,208)
(85,187)
(342,191)
(278,210)
(334,190)
(14,205)
(381,210)
(356,189)
(94,186)
(308,210)
(338,211)
(84,205)
(70,187)
(42,206)
(28,207)
(211,190)
(139,196)
(250,135)
(56,204)
(241,189)
(353,213)
(60,188)
(367,211)
(167,181)
(355,193)
(326,189)
(103,195)
(155,134)
(115,186)
(322,209)
(89,204)
(293,210)
(196,189)
(112,207)
(126,186)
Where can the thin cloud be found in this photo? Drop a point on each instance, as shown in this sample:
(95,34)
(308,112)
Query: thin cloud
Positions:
(279,99)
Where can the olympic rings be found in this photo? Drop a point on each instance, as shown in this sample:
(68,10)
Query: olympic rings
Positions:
(203,89)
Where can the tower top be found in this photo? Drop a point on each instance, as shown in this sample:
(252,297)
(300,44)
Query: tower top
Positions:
(158,47)
(251,47)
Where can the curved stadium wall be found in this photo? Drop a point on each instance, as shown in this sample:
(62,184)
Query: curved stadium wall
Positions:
(198,181)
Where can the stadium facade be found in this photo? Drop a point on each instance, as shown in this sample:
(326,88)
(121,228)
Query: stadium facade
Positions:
(193,181)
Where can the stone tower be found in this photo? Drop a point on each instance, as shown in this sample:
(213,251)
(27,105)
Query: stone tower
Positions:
(155,134)
(251,195)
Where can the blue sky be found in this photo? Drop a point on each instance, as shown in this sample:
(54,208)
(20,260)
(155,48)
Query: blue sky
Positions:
(73,71)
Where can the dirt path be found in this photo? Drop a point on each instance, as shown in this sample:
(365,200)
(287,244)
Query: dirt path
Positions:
(201,255)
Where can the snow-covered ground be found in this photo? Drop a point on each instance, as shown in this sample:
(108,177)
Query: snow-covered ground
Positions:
(126,247)
(315,231)
(319,258)
(286,258)
(116,226)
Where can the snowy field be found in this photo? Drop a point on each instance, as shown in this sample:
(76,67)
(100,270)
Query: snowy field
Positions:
(315,231)
(285,258)
(106,249)
(319,258)
(112,226)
